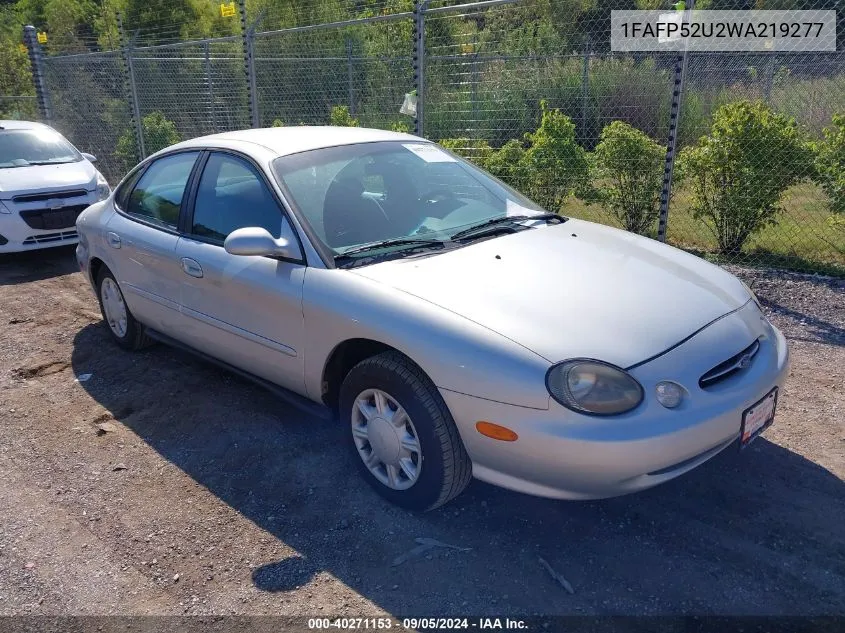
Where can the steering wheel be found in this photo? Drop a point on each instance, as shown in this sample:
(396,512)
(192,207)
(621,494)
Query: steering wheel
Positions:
(379,205)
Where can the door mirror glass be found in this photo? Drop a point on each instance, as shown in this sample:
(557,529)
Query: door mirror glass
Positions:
(89,157)
(254,240)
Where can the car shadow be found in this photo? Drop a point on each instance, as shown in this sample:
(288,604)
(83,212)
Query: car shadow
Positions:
(18,268)
(757,532)
(821,331)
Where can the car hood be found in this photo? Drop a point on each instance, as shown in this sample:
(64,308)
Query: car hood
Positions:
(573,290)
(45,178)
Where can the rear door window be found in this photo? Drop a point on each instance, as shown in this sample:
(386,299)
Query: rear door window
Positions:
(157,197)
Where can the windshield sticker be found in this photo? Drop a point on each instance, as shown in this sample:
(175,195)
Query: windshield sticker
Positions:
(429,153)
(513,208)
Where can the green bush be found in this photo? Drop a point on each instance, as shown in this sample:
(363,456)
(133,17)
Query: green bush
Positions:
(159,132)
(340,116)
(509,164)
(627,175)
(556,165)
(739,171)
(400,126)
(479,152)
(830,164)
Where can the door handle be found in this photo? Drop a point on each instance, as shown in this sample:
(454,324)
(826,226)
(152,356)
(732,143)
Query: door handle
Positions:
(191,267)
(113,240)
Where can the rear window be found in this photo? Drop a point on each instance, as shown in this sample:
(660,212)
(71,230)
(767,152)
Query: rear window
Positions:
(23,148)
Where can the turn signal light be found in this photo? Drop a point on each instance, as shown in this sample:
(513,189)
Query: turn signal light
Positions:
(496,431)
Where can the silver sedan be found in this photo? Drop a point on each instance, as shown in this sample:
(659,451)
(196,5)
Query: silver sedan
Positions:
(456,329)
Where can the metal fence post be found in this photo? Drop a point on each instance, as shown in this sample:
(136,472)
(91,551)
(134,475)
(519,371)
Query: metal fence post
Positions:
(770,76)
(131,89)
(248,33)
(209,86)
(419,64)
(674,125)
(36,62)
(474,94)
(585,90)
(349,74)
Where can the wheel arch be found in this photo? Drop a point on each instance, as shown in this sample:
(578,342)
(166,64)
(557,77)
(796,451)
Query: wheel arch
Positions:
(342,359)
(94,267)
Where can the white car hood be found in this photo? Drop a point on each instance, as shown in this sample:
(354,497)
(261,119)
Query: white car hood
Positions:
(600,293)
(45,178)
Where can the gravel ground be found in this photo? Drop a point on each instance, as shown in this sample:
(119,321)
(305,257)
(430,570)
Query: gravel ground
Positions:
(162,485)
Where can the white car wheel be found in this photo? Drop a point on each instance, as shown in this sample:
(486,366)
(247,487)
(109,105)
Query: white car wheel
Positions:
(386,439)
(403,437)
(114,309)
(125,330)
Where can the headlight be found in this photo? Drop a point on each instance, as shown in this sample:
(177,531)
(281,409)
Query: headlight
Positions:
(593,387)
(103,189)
(4,208)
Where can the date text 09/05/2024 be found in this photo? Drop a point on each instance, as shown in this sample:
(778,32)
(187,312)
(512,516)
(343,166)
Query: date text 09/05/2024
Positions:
(416,624)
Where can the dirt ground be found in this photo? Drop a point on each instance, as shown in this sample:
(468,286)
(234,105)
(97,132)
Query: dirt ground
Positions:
(207,495)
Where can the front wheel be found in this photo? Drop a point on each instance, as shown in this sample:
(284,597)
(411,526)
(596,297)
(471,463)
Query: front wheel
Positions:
(402,434)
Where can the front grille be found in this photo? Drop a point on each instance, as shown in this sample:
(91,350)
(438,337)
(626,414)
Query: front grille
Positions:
(45,238)
(54,195)
(735,364)
(46,219)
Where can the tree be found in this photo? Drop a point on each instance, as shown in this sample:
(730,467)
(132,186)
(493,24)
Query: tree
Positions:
(159,20)
(68,23)
(15,75)
(628,176)
(740,170)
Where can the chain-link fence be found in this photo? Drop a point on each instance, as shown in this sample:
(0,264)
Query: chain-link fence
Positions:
(529,89)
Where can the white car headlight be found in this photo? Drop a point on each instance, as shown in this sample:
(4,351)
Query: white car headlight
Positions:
(4,208)
(103,189)
(593,387)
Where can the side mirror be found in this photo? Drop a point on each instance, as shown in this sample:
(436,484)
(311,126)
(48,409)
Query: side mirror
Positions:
(89,157)
(254,240)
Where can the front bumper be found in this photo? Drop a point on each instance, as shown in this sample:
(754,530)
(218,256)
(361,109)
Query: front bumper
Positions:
(18,236)
(566,455)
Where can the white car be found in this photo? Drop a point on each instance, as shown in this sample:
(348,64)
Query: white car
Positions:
(45,183)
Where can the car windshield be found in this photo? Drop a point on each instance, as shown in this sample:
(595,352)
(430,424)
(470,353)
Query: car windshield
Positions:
(394,194)
(22,148)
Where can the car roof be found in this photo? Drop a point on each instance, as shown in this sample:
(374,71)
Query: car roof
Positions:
(9,124)
(291,140)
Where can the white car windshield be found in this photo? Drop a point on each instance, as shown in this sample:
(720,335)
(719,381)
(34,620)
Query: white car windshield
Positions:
(22,148)
(395,193)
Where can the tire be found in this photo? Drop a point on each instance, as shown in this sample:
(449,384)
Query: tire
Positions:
(130,336)
(443,468)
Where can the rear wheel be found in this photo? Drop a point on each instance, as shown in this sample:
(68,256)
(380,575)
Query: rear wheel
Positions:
(402,434)
(125,330)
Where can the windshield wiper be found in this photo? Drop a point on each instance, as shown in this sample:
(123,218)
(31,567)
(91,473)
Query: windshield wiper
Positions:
(49,162)
(401,241)
(480,228)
